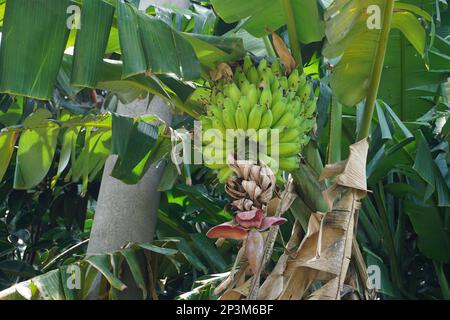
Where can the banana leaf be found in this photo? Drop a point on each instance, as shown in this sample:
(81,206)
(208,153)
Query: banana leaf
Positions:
(33,43)
(263,16)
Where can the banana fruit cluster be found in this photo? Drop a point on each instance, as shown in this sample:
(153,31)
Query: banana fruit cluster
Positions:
(263,100)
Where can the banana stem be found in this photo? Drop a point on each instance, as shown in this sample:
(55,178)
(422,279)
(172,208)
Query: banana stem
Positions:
(292,32)
(334,144)
(377,71)
(269,47)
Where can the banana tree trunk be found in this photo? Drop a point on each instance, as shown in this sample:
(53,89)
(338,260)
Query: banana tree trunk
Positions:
(127,213)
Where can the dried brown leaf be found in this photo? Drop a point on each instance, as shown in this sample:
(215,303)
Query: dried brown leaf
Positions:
(231,295)
(284,53)
(325,253)
(273,286)
(298,283)
(351,173)
(272,206)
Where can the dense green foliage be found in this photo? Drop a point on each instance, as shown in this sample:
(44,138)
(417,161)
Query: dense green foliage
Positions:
(46,207)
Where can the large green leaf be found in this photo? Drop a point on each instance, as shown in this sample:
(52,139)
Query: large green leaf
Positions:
(133,141)
(132,259)
(7,143)
(37,146)
(30,62)
(348,35)
(210,49)
(67,152)
(10,114)
(2,11)
(266,15)
(93,155)
(353,44)
(130,40)
(17,268)
(50,286)
(91,41)
(386,285)
(151,46)
(434,239)
(33,43)
(411,28)
(186,251)
(157,249)
(427,169)
(102,264)
(209,251)
(407,84)
(53,285)
(129,89)
(140,85)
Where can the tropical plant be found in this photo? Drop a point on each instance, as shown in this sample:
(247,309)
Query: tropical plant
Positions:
(376,74)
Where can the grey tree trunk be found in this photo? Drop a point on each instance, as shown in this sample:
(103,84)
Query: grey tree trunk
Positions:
(127,213)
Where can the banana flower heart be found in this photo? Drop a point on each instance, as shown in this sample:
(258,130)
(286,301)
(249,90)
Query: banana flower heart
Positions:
(247,225)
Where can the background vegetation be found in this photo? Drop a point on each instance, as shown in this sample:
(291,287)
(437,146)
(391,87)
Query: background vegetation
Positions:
(59,107)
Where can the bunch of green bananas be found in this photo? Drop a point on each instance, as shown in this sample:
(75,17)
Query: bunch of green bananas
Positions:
(259,98)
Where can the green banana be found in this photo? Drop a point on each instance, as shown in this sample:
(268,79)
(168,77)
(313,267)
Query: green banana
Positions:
(252,95)
(286,121)
(287,149)
(206,123)
(218,124)
(233,92)
(224,174)
(290,164)
(229,120)
(245,105)
(229,105)
(273,106)
(277,96)
(266,97)
(253,76)
(266,119)
(294,80)
(284,84)
(310,107)
(290,135)
(247,64)
(262,67)
(254,118)
(278,110)
(216,111)
(276,68)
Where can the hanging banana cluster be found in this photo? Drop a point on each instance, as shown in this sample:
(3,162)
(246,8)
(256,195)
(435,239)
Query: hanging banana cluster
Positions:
(262,100)
(252,185)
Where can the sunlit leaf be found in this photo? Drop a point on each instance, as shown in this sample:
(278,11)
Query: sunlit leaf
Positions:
(33,43)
